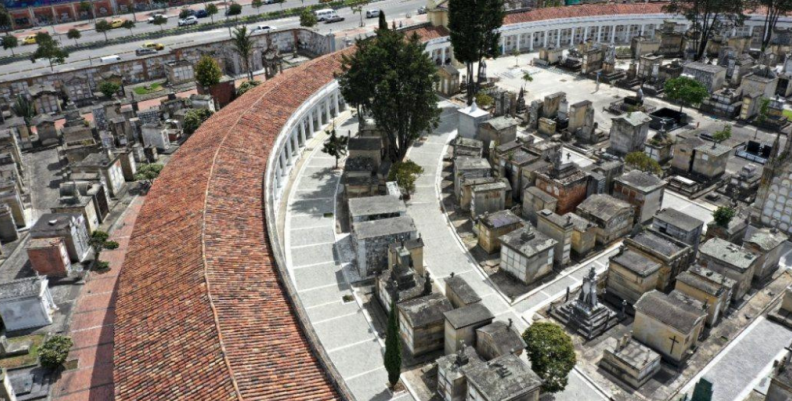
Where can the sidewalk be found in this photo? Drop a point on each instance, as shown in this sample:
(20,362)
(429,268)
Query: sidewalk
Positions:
(92,323)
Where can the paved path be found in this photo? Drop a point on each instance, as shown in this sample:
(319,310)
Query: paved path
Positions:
(738,368)
(91,326)
(318,275)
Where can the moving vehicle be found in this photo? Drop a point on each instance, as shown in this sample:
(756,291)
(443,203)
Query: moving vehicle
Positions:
(155,15)
(372,13)
(153,45)
(263,28)
(29,40)
(333,19)
(201,14)
(117,22)
(422,10)
(322,15)
(143,51)
(112,57)
(191,20)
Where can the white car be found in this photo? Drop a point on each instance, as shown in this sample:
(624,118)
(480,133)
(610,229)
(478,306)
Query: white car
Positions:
(153,16)
(264,29)
(191,20)
(372,13)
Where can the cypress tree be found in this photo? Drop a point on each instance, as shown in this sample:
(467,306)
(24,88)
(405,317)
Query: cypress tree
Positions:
(702,391)
(393,346)
(383,24)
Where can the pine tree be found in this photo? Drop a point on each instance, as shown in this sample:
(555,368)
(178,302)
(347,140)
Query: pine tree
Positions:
(393,346)
(383,24)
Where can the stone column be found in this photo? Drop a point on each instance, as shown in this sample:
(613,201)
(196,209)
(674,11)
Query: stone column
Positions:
(750,30)
(599,33)
(613,34)
(530,41)
(558,39)
(296,146)
(302,133)
(282,163)
(585,34)
(642,29)
(545,39)
(572,34)
(289,152)
(518,41)
(327,110)
(337,96)
(443,59)
(503,44)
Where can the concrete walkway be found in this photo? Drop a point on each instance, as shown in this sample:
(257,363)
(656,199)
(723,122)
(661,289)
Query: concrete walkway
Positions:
(322,276)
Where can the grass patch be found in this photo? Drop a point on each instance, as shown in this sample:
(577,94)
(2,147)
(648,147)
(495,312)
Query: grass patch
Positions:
(145,90)
(787,114)
(31,358)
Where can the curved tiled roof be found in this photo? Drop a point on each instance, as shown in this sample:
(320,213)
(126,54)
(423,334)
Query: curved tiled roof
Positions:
(583,10)
(200,312)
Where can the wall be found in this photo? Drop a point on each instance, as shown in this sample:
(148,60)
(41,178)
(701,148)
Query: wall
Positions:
(628,285)
(657,336)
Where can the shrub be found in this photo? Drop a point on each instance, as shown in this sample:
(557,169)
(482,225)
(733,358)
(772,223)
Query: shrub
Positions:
(108,88)
(246,86)
(111,245)
(54,351)
(207,72)
(194,118)
(148,171)
(484,100)
(234,9)
(723,216)
(405,174)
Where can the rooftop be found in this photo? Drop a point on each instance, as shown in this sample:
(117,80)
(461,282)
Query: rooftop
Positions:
(728,253)
(679,219)
(713,149)
(22,288)
(636,262)
(425,310)
(462,289)
(709,68)
(491,186)
(555,218)
(193,313)
(502,122)
(471,163)
(374,205)
(659,243)
(527,241)
(635,119)
(538,193)
(603,206)
(383,227)
(767,239)
(52,222)
(468,315)
(705,280)
(503,378)
(677,311)
(501,218)
(578,222)
(366,143)
(642,181)
(636,355)
(582,10)
(504,336)
(468,142)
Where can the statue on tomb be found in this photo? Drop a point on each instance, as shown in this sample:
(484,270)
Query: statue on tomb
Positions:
(587,298)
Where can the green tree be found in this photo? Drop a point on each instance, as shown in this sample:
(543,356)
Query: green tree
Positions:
(773,10)
(10,42)
(475,35)
(184,13)
(109,88)
(723,216)
(243,46)
(484,100)
(708,17)
(87,8)
(335,145)
(54,351)
(6,21)
(24,107)
(392,357)
(686,91)
(207,72)
(761,116)
(246,86)
(100,241)
(102,26)
(307,18)
(405,174)
(551,353)
(128,25)
(357,7)
(160,21)
(74,34)
(643,162)
(403,77)
(702,391)
(233,9)
(194,118)
(722,135)
(383,23)
(257,4)
(211,9)
(148,172)
(527,77)
(49,49)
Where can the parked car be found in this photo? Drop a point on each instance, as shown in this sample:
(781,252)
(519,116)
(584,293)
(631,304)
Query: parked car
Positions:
(323,15)
(117,22)
(29,40)
(153,45)
(422,10)
(153,16)
(333,19)
(191,20)
(201,14)
(112,57)
(143,51)
(372,13)
(263,28)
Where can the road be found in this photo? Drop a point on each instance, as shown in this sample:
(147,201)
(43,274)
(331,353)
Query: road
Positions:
(394,9)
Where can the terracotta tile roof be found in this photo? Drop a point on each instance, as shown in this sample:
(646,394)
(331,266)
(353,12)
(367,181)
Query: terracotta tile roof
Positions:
(584,10)
(200,312)
(428,32)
